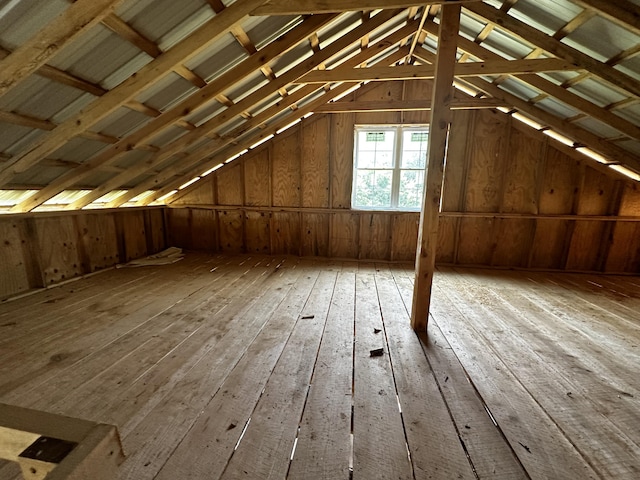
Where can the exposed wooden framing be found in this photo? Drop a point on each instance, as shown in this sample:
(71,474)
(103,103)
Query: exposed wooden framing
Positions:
(555,47)
(147,76)
(208,150)
(548,87)
(572,25)
(62,30)
(409,72)
(623,12)
(185,107)
(299,7)
(407,105)
(95,450)
(262,93)
(434,175)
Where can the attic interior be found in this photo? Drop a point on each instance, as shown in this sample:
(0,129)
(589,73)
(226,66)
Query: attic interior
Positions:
(283,145)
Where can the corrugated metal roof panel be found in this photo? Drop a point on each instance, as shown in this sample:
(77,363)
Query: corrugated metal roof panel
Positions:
(121,123)
(507,45)
(23,142)
(78,150)
(73,108)
(205,113)
(96,178)
(264,30)
(170,90)
(630,66)
(133,157)
(597,127)
(185,27)
(470,26)
(66,197)
(11,134)
(290,59)
(9,198)
(218,58)
(246,86)
(546,15)
(601,39)
(552,105)
(39,176)
(22,19)
(166,136)
(519,88)
(631,146)
(596,91)
(631,113)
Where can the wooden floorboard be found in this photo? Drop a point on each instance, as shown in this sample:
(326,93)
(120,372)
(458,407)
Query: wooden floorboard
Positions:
(260,367)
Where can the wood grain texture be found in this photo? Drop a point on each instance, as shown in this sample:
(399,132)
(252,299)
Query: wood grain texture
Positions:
(257,178)
(14,278)
(455,168)
(229,182)
(57,238)
(375,236)
(203,230)
(200,192)
(548,244)
(285,233)
(560,183)
(316,146)
(404,236)
(624,254)
(486,157)
(513,242)
(595,195)
(342,131)
(476,241)
(417,90)
(384,91)
(231,226)
(315,234)
(257,236)
(285,175)
(521,175)
(582,255)
(445,251)
(630,203)
(179,222)
(344,235)
(135,240)
(98,235)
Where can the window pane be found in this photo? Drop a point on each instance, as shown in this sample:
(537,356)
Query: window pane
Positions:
(414,148)
(411,186)
(373,188)
(375,149)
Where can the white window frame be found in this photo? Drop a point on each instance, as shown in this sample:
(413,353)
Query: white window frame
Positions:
(396,170)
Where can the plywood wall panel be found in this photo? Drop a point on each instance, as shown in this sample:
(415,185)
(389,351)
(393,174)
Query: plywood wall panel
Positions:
(445,251)
(486,157)
(155,229)
(549,243)
(456,163)
(58,239)
(624,254)
(596,193)
(285,233)
(421,91)
(521,173)
(179,223)
(344,235)
(257,233)
(230,225)
(257,184)
(315,234)
(97,232)
(200,193)
(375,236)
(285,165)
(404,236)
(560,184)
(380,91)
(13,277)
(229,181)
(342,131)
(315,162)
(630,202)
(514,238)
(476,242)
(585,245)
(203,230)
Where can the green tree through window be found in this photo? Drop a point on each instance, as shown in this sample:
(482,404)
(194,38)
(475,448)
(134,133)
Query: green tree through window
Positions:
(389,164)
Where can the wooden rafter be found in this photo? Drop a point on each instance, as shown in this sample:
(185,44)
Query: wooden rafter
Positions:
(193,161)
(299,7)
(251,100)
(550,88)
(434,174)
(556,48)
(407,105)
(145,77)
(408,72)
(62,30)
(174,114)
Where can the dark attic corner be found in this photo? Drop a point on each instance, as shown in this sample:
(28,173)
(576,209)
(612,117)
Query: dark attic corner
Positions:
(408,239)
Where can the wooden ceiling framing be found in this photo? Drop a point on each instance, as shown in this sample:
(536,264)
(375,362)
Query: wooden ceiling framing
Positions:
(387,41)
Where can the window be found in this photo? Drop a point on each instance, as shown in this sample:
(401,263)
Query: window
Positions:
(389,164)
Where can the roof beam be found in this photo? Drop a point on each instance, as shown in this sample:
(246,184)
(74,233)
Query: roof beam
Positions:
(145,77)
(623,12)
(556,48)
(548,87)
(406,105)
(302,7)
(62,30)
(412,72)
(169,117)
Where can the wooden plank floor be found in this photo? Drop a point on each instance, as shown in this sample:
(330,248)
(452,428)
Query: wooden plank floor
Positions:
(260,368)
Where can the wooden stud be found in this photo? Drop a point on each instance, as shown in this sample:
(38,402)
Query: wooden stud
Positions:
(438,133)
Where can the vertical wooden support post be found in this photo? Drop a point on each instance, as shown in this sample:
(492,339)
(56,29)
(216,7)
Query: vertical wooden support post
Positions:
(438,133)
